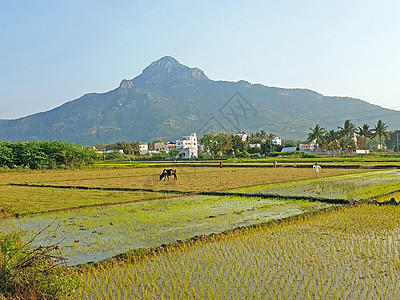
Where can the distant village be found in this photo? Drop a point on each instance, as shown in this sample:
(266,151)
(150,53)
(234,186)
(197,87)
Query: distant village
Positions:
(240,144)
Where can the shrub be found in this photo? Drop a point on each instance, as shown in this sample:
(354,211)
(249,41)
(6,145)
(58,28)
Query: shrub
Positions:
(28,272)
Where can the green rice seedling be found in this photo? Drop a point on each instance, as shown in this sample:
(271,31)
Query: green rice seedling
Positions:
(18,200)
(96,233)
(347,187)
(348,253)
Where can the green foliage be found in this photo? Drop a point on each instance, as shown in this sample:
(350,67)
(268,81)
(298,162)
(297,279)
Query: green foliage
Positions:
(380,131)
(128,148)
(219,145)
(28,272)
(44,155)
(316,134)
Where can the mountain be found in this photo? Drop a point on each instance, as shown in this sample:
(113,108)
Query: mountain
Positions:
(170,100)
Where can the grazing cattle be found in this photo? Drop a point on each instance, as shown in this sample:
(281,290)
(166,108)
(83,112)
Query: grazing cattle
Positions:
(170,172)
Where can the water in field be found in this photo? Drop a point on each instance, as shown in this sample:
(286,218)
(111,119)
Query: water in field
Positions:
(94,234)
(350,253)
(347,187)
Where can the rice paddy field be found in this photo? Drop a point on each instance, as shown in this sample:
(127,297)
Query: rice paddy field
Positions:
(349,253)
(361,186)
(190,179)
(245,232)
(97,233)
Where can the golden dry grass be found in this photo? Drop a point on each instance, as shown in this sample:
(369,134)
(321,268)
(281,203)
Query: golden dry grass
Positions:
(189,178)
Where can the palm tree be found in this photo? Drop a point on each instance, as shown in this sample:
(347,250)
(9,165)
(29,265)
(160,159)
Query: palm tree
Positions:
(332,141)
(380,131)
(270,137)
(348,129)
(347,133)
(317,134)
(365,132)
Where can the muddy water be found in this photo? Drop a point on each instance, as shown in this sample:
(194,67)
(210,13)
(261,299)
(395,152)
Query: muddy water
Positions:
(98,233)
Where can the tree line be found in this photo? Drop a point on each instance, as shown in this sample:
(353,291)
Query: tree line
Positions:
(343,137)
(45,155)
(223,144)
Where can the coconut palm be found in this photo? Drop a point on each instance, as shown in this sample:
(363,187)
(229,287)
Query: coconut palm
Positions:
(317,134)
(332,141)
(365,132)
(380,131)
(270,137)
(347,133)
(348,130)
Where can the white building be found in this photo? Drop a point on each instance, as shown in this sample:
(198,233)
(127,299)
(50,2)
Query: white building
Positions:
(243,135)
(313,146)
(188,146)
(143,148)
(277,141)
(255,145)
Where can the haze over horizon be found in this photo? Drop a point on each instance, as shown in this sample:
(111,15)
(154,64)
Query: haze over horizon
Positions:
(54,52)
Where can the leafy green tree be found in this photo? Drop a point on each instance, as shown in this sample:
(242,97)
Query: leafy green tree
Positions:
(100,146)
(380,131)
(127,148)
(45,155)
(173,153)
(6,156)
(394,141)
(238,144)
(217,145)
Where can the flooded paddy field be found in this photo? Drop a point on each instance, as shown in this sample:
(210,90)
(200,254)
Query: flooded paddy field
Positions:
(348,253)
(97,233)
(360,186)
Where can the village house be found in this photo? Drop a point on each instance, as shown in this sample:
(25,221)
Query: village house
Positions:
(161,147)
(311,147)
(277,141)
(143,148)
(188,146)
(243,135)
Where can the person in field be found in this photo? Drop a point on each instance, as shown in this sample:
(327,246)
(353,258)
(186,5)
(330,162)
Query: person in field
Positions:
(316,168)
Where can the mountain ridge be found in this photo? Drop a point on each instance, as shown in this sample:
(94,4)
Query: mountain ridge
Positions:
(169,100)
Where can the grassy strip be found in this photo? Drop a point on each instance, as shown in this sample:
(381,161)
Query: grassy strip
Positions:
(116,189)
(211,193)
(23,199)
(286,159)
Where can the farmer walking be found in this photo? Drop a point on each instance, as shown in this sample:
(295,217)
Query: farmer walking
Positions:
(316,168)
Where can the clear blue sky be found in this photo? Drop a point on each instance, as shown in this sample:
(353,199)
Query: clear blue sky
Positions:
(52,52)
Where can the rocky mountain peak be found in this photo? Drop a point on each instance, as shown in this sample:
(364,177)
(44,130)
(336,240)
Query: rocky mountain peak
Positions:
(168,69)
(126,84)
